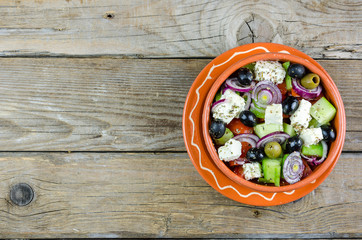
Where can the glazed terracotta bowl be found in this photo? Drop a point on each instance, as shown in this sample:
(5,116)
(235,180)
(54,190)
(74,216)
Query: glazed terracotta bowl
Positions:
(331,93)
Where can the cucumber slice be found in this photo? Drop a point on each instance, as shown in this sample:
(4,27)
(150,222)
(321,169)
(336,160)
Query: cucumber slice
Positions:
(263,180)
(264,129)
(314,123)
(313,150)
(226,137)
(323,111)
(288,129)
(271,169)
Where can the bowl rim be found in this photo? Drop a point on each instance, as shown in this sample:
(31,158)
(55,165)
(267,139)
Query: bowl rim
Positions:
(336,146)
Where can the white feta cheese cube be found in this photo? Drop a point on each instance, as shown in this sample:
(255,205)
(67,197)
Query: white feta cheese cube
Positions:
(274,114)
(311,136)
(300,119)
(252,170)
(230,151)
(271,71)
(230,108)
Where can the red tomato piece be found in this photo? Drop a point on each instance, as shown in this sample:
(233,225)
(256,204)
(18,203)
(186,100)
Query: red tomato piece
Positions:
(307,169)
(237,127)
(244,149)
(233,163)
(283,89)
(238,170)
(294,94)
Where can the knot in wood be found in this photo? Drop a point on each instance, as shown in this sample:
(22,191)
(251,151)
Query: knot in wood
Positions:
(21,194)
(256,213)
(255,29)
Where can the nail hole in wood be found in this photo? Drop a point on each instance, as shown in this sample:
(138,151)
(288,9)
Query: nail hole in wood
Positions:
(21,194)
(109,15)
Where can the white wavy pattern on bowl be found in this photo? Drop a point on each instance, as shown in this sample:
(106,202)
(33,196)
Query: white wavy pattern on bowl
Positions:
(198,148)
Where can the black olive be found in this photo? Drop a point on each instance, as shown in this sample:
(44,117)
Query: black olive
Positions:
(217,129)
(248,118)
(255,154)
(296,70)
(293,144)
(290,105)
(328,134)
(244,76)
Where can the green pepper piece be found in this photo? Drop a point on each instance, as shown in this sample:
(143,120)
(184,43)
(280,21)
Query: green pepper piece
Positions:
(288,79)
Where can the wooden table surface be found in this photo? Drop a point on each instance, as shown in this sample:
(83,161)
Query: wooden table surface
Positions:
(91,102)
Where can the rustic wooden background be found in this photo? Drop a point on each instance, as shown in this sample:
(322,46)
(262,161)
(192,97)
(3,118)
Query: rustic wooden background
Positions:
(91,101)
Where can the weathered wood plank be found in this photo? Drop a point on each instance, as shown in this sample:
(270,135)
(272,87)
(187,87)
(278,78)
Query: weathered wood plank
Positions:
(162,195)
(118,104)
(177,28)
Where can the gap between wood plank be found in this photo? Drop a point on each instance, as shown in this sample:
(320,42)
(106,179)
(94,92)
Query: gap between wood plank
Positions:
(152,152)
(140,57)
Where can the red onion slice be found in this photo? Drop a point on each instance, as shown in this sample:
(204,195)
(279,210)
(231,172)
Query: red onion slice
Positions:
(310,159)
(267,95)
(306,93)
(215,104)
(247,137)
(293,168)
(265,88)
(279,137)
(248,101)
(240,161)
(224,89)
(234,85)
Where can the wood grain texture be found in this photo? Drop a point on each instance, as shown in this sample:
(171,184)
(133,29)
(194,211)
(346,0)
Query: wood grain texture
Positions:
(118,104)
(162,195)
(182,28)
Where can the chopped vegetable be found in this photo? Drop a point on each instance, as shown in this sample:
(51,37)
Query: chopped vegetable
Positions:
(304,92)
(323,111)
(278,137)
(226,137)
(313,150)
(310,81)
(234,84)
(288,129)
(293,168)
(288,79)
(266,93)
(273,149)
(272,169)
(266,129)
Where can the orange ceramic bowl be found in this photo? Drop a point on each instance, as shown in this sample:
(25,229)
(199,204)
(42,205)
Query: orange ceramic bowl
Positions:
(331,93)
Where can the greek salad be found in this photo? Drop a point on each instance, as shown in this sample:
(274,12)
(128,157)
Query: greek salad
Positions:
(271,123)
